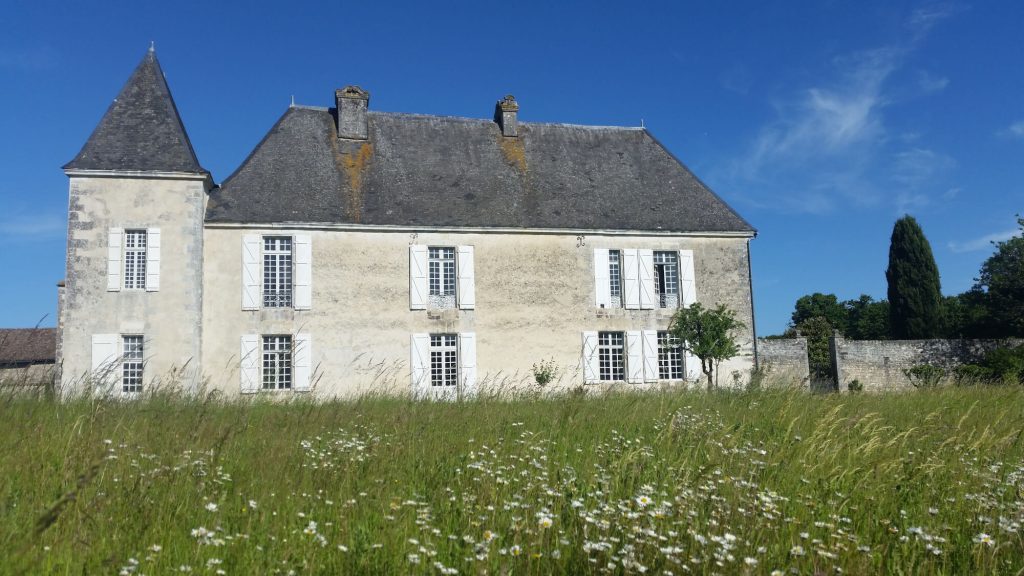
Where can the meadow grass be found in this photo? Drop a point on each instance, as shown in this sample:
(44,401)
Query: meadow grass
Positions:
(929,482)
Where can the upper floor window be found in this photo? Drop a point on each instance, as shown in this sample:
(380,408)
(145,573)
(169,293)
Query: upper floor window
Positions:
(133,259)
(441,269)
(642,279)
(666,278)
(441,277)
(277,271)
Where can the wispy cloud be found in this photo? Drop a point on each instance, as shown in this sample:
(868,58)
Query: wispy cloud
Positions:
(34,227)
(983,242)
(829,144)
(1016,130)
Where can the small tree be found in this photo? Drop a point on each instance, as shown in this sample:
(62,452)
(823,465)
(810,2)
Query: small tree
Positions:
(915,295)
(707,334)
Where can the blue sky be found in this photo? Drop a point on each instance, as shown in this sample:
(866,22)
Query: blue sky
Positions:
(820,122)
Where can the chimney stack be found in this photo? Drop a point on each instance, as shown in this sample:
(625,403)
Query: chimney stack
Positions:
(352,102)
(505,113)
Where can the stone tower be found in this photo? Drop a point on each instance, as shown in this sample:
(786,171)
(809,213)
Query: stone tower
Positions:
(131,308)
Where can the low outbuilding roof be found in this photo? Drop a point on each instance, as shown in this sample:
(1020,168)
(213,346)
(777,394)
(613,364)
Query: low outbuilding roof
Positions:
(20,346)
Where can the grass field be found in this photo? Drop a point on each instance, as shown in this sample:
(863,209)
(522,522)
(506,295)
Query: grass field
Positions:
(930,482)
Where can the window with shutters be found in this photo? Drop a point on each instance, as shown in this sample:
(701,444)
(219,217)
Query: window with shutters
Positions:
(615,277)
(134,259)
(277,362)
(444,360)
(611,356)
(131,363)
(277,271)
(670,357)
(441,277)
(666,279)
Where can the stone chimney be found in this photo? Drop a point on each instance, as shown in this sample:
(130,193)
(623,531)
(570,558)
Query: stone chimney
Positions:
(505,113)
(352,102)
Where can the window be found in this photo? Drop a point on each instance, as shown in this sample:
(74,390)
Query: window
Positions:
(615,277)
(670,357)
(277,271)
(666,279)
(444,360)
(277,362)
(611,358)
(441,272)
(135,259)
(131,363)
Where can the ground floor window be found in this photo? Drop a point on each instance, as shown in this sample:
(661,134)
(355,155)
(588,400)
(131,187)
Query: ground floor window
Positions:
(131,363)
(444,360)
(611,357)
(277,362)
(670,357)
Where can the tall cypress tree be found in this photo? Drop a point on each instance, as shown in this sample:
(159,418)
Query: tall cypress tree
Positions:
(915,297)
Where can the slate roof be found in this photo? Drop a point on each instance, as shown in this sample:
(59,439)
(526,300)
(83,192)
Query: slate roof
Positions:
(417,170)
(21,346)
(141,130)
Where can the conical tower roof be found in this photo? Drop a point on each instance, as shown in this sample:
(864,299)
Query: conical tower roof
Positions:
(141,130)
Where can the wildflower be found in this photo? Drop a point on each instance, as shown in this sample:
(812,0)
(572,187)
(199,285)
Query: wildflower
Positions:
(643,501)
(156,547)
(310,528)
(777,572)
(413,558)
(545,522)
(515,550)
(750,561)
(985,539)
(797,551)
(252,504)
(488,535)
(211,506)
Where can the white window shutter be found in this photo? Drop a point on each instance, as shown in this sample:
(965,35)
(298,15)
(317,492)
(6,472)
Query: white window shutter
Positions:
(152,260)
(114,238)
(302,361)
(602,287)
(650,338)
(303,271)
(591,362)
(687,279)
(691,364)
(419,362)
(631,279)
(467,363)
(417,277)
(105,356)
(251,281)
(634,357)
(466,290)
(645,260)
(249,363)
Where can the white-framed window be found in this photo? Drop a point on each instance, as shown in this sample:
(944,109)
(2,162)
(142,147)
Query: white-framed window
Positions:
(443,365)
(276,362)
(277,271)
(132,349)
(276,370)
(444,360)
(441,277)
(643,279)
(615,278)
(666,278)
(134,260)
(670,357)
(611,356)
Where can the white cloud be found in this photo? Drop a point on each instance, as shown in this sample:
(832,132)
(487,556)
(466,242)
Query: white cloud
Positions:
(983,242)
(42,226)
(829,144)
(1016,129)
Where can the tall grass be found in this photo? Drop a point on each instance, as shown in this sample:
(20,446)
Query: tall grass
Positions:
(930,482)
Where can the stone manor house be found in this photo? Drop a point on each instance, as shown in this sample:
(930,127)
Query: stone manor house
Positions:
(356,250)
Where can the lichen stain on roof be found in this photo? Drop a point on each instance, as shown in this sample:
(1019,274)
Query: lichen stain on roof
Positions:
(352,161)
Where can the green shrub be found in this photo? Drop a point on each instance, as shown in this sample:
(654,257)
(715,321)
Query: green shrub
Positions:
(855,386)
(1006,365)
(545,371)
(971,374)
(924,375)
